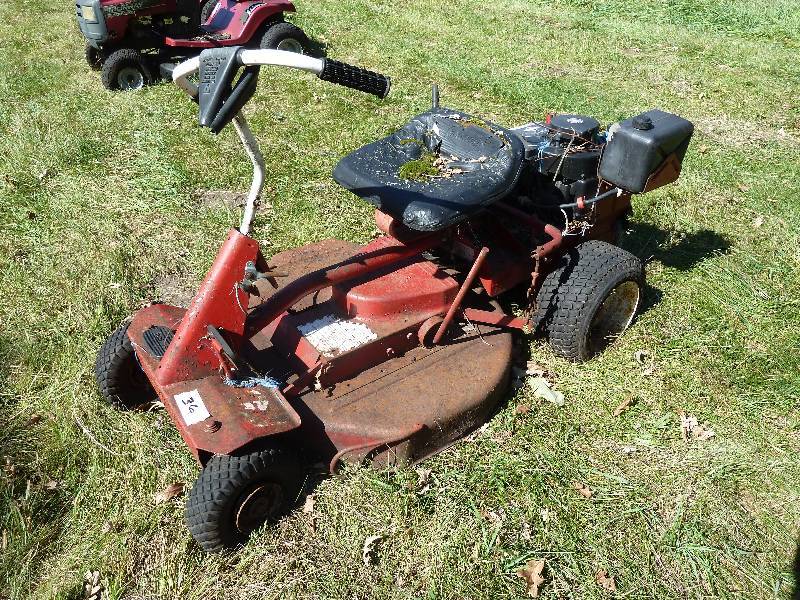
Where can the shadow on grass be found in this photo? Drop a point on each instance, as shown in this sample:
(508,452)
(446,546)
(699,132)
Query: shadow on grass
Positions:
(674,249)
(796,571)
(317,49)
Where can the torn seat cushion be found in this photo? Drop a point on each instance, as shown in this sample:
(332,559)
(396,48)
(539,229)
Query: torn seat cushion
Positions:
(482,164)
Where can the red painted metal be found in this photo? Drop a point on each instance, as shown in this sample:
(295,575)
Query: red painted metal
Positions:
(371,445)
(219,302)
(241,21)
(419,287)
(537,225)
(243,414)
(465,287)
(380,253)
(497,318)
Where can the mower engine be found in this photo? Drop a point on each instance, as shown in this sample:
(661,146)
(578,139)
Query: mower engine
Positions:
(570,161)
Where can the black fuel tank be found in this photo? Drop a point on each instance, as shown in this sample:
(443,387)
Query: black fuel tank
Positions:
(637,147)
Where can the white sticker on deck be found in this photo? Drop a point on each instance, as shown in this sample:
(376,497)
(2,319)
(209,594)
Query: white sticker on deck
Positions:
(193,409)
(332,336)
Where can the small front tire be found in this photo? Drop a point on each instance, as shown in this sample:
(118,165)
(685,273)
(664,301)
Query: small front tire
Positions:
(126,70)
(119,376)
(235,495)
(590,299)
(94,57)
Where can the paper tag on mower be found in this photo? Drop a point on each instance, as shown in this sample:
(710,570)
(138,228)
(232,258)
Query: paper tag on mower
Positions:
(193,409)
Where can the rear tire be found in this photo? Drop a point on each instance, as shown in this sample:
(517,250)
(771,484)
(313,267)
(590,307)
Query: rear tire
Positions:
(119,376)
(126,70)
(235,495)
(285,36)
(590,299)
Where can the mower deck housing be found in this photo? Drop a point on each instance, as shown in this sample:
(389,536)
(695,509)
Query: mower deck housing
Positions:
(379,395)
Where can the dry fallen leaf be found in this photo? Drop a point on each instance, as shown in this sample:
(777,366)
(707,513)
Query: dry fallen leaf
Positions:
(758,221)
(52,485)
(742,187)
(534,369)
(692,429)
(92,588)
(626,403)
(475,434)
(605,581)
(522,409)
(34,419)
(368,553)
(532,574)
(495,517)
(423,480)
(171,491)
(583,489)
(541,389)
(640,356)
(545,514)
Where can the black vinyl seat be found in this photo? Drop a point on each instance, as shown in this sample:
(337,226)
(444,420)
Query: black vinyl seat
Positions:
(482,163)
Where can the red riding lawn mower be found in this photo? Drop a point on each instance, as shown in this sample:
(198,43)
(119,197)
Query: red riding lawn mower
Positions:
(389,352)
(133,41)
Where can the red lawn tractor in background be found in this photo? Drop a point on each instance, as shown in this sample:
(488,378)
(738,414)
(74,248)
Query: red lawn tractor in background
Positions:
(387,352)
(133,41)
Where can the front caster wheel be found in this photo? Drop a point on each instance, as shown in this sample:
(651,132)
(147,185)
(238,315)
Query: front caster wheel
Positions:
(119,376)
(590,299)
(126,70)
(235,495)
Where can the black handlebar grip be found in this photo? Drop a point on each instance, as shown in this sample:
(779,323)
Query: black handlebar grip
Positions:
(355,78)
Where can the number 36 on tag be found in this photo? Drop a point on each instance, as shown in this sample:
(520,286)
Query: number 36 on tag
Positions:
(193,409)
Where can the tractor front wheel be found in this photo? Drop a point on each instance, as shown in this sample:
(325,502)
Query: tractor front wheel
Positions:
(93,57)
(235,495)
(126,70)
(119,376)
(590,299)
(285,36)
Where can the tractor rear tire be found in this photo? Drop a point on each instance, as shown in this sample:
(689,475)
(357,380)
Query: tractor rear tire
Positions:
(119,376)
(285,36)
(126,70)
(590,299)
(235,495)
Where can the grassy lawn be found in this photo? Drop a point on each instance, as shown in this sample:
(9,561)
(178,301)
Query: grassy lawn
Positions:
(98,208)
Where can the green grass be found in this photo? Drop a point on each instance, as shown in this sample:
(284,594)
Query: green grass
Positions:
(96,205)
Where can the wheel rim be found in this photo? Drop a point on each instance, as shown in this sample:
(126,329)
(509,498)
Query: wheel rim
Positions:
(290,45)
(615,315)
(130,78)
(259,505)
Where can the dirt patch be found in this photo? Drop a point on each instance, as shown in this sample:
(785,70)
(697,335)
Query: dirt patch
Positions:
(174,289)
(741,134)
(220,199)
